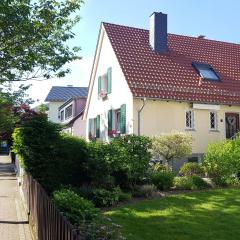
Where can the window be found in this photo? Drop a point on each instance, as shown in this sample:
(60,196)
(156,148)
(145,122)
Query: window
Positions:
(206,71)
(117,119)
(94,127)
(69,111)
(105,83)
(213,120)
(189,119)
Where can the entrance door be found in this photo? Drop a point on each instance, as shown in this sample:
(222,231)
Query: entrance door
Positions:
(232,124)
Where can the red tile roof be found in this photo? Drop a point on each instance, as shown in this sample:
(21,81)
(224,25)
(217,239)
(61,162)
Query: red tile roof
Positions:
(171,76)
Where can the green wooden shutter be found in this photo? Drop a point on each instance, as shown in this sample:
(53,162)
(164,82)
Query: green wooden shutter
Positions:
(89,127)
(110,121)
(123,119)
(99,84)
(98,126)
(109,80)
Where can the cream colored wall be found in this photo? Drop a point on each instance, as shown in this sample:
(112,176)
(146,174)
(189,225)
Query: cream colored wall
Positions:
(119,95)
(161,117)
(53,111)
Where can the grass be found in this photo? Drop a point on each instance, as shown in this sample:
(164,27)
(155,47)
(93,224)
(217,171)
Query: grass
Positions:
(212,214)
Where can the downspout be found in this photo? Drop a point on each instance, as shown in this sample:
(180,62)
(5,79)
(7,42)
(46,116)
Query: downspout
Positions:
(139,115)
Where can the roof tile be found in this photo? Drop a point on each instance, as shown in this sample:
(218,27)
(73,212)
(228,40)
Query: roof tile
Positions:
(171,75)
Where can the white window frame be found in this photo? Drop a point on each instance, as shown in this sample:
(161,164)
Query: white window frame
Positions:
(66,112)
(93,129)
(116,123)
(192,120)
(104,83)
(215,120)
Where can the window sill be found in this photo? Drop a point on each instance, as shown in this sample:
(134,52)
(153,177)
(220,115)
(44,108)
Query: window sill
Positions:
(214,130)
(190,129)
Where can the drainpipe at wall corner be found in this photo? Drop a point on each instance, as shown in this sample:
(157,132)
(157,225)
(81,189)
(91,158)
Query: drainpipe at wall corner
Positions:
(139,115)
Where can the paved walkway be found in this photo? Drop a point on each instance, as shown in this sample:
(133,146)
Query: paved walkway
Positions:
(13,220)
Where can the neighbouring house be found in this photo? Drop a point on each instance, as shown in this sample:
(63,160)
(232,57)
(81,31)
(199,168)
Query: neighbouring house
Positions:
(71,116)
(58,95)
(149,82)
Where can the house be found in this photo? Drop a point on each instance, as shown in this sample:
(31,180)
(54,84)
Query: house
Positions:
(58,95)
(71,116)
(149,82)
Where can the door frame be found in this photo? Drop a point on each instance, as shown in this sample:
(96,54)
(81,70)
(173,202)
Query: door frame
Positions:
(238,125)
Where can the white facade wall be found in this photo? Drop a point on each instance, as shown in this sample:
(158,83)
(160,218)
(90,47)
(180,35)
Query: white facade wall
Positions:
(79,128)
(120,94)
(53,111)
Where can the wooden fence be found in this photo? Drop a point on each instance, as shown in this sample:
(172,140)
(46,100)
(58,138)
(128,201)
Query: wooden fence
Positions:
(46,221)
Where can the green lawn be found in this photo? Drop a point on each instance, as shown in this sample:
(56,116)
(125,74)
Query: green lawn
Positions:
(206,215)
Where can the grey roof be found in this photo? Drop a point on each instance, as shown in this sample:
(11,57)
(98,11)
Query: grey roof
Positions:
(62,94)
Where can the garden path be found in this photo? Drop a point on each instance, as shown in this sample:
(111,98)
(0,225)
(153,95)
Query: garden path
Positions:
(13,220)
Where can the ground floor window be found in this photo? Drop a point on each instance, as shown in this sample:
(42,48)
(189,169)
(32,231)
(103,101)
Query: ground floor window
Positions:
(213,120)
(189,119)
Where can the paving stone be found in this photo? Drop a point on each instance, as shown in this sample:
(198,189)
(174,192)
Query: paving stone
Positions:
(13,219)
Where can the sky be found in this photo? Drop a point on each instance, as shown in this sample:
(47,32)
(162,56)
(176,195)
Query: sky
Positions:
(216,19)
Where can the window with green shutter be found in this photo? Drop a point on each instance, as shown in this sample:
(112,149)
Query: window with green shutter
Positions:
(123,119)
(98,126)
(109,80)
(110,121)
(99,84)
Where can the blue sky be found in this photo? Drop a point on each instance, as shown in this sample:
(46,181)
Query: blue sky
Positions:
(216,19)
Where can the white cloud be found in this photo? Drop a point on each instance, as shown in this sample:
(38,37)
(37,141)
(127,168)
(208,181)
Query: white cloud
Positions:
(79,77)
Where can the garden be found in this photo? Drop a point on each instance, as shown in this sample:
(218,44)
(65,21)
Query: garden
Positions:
(88,181)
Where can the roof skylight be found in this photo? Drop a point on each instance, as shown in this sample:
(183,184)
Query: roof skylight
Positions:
(206,71)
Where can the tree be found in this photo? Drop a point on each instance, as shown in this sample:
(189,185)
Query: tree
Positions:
(14,108)
(175,145)
(43,108)
(33,38)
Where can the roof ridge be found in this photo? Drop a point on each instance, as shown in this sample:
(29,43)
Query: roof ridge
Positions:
(173,34)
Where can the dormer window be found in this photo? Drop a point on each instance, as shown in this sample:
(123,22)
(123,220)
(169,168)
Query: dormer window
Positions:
(206,71)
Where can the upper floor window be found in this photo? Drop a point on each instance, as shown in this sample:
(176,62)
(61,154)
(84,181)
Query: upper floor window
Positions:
(189,119)
(69,111)
(213,120)
(206,71)
(105,83)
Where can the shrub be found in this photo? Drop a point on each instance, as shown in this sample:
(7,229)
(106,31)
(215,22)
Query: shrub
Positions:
(222,160)
(105,198)
(75,208)
(71,155)
(146,190)
(191,168)
(175,145)
(190,183)
(52,158)
(97,164)
(136,157)
(163,180)
(34,143)
(184,183)
(124,197)
(199,182)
